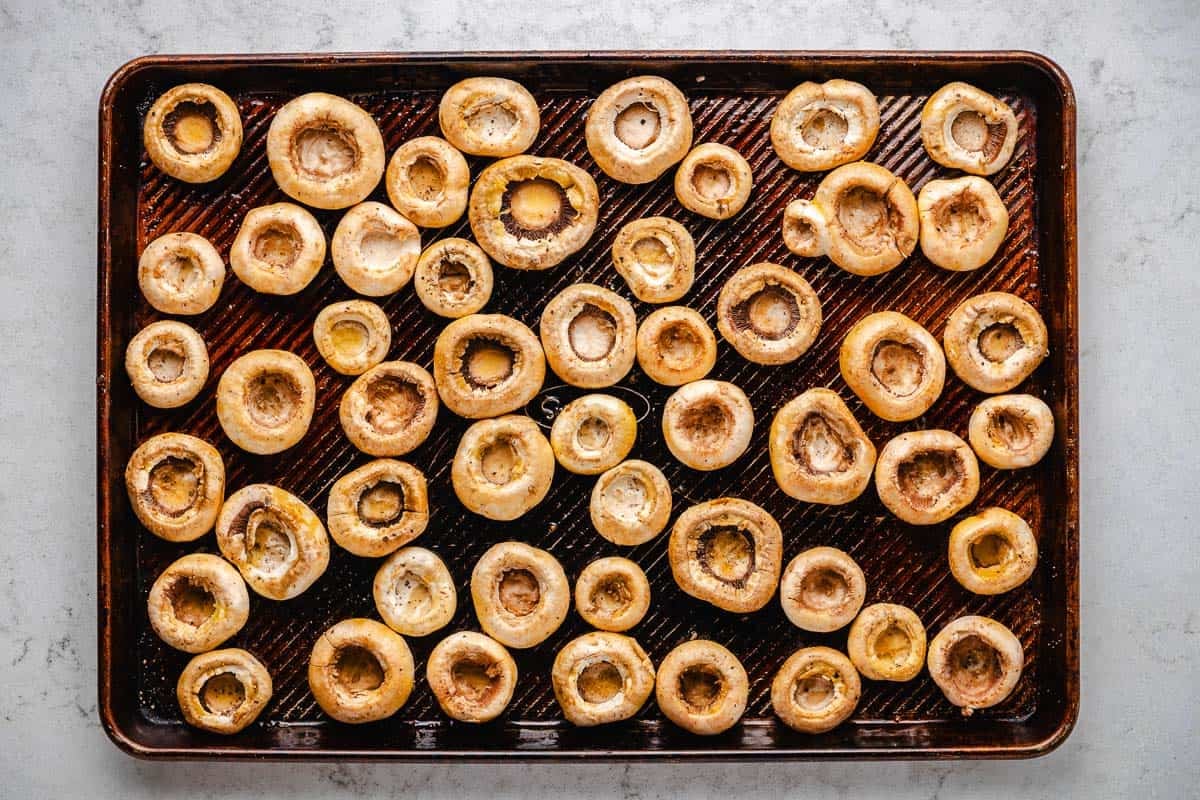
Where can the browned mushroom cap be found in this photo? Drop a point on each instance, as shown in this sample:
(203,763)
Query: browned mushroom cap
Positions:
(822,589)
(963,222)
(181,273)
(966,128)
(589,335)
(872,216)
(274,539)
(279,249)
(414,592)
(702,687)
(1011,431)
(352,336)
(631,503)
(521,594)
(926,477)
(887,643)
(994,341)
(427,181)
(197,603)
(657,258)
(193,132)
(819,126)
(714,181)
(612,594)
(361,671)
(707,424)
(593,433)
(894,365)
(265,401)
(453,278)
(503,467)
(727,552)
(223,691)
(325,151)
(805,229)
(815,690)
(379,507)
(375,250)
(472,676)
(639,128)
(601,677)
(992,552)
(675,346)
(176,485)
(390,409)
(489,117)
(819,453)
(976,662)
(531,213)
(768,313)
(487,364)
(167,363)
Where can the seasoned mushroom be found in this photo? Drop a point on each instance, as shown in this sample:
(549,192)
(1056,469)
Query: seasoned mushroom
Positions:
(352,336)
(489,117)
(805,229)
(612,594)
(414,592)
(976,662)
(325,151)
(887,643)
(531,213)
(727,552)
(521,594)
(994,341)
(657,258)
(176,484)
(375,250)
(223,691)
(894,365)
(503,467)
(768,313)
(966,128)
(198,602)
(181,273)
(822,589)
(631,503)
(675,346)
(815,690)
(593,433)
(702,687)
(265,401)
(601,677)
(275,540)
(819,126)
(1011,431)
(992,552)
(427,182)
(714,181)
(167,364)
(360,670)
(485,365)
(193,132)
(963,222)
(589,334)
(453,278)
(819,453)
(707,424)
(872,218)
(639,128)
(379,507)
(472,676)
(390,409)
(279,249)
(926,477)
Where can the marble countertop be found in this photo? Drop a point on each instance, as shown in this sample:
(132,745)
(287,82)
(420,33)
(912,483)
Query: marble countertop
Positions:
(1136,70)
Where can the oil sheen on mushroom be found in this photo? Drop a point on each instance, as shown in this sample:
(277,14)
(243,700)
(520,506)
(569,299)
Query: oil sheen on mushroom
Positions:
(193,132)
(486,365)
(992,552)
(378,507)
(352,336)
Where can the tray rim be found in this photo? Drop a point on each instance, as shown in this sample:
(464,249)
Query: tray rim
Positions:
(127,740)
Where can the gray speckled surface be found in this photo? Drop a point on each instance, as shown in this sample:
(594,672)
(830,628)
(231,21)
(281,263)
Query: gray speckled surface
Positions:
(1136,69)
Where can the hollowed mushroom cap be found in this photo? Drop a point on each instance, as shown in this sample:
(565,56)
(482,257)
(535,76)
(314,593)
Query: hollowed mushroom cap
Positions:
(815,690)
(427,182)
(702,687)
(675,346)
(593,433)
(992,552)
(521,594)
(352,336)
(361,670)
(819,452)
(193,132)
(822,589)
(657,258)
(530,212)
(472,676)
(707,424)
(197,603)
(639,128)
(926,477)
(503,467)
(631,503)
(181,273)
(612,594)
(963,222)
(768,313)
(976,662)
(819,126)
(485,365)
(713,181)
(966,128)
(274,539)
(589,335)
(894,365)
(453,278)
(176,484)
(1011,431)
(325,151)
(601,677)
(375,249)
(390,409)
(167,363)
(379,507)
(805,229)
(279,249)
(223,691)
(887,643)
(727,552)
(265,401)
(489,117)
(414,592)
(872,216)
(994,341)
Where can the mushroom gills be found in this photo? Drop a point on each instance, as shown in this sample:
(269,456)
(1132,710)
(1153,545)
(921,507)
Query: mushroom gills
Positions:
(929,475)
(393,404)
(819,448)
(727,553)
(971,132)
(536,208)
(191,127)
(772,313)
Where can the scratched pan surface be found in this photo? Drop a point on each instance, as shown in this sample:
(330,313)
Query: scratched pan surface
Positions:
(732,97)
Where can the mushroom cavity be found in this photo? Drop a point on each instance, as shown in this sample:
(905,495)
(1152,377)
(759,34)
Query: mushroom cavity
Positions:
(197,603)
(181,273)
(489,117)
(887,643)
(223,691)
(414,592)
(1011,431)
(992,552)
(265,401)
(176,484)
(631,503)
(593,433)
(193,132)
(375,249)
(963,222)
(994,341)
